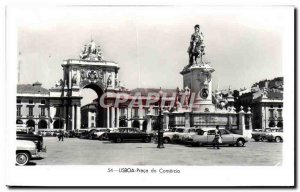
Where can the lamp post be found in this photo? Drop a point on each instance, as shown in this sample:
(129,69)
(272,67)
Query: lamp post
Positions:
(160,143)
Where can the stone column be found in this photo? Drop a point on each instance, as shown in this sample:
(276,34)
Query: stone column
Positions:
(229,121)
(149,123)
(107,118)
(113,117)
(78,117)
(140,112)
(73,118)
(118,117)
(166,120)
(65,116)
(129,113)
(187,119)
(241,126)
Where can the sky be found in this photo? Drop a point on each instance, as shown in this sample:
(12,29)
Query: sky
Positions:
(243,45)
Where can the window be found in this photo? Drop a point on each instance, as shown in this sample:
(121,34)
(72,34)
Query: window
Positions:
(122,110)
(93,125)
(43,102)
(136,112)
(146,111)
(156,111)
(271,113)
(18,100)
(18,111)
(30,111)
(93,117)
(42,111)
(30,101)
(211,132)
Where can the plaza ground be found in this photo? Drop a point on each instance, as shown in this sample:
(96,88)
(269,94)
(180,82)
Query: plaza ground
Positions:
(75,151)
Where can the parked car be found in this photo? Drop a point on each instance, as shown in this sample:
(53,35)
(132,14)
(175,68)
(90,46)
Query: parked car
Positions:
(260,134)
(168,136)
(276,136)
(192,131)
(207,136)
(126,133)
(37,139)
(100,134)
(78,132)
(25,150)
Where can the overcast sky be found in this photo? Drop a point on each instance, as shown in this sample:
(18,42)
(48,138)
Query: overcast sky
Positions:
(150,43)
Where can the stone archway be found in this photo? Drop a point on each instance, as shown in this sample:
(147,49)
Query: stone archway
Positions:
(145,123)
(42,124)
(272,124)
(19,122)
(58,124)
(123,123)
(136,124)
(30,123)
(279,124)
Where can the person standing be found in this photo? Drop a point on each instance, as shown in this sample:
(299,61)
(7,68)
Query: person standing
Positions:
(218,138)
(61,136)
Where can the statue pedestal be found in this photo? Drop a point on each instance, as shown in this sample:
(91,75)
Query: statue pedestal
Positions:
(199,79)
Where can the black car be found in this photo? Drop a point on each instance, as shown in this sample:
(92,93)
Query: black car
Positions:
(37,139)
(127,134)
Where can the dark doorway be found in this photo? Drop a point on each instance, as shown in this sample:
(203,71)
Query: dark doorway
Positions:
(42,124)
(58,124)
(136,124)
(145,123)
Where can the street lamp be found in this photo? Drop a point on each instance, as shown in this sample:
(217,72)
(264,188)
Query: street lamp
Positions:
(160,143)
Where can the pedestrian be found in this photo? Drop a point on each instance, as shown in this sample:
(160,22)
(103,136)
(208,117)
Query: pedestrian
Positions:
(218,138)
(58,135)
(62,135)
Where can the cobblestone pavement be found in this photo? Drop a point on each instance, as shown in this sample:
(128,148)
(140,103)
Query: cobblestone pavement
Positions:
(74,151)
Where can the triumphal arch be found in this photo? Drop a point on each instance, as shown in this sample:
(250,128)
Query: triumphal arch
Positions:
(89,71)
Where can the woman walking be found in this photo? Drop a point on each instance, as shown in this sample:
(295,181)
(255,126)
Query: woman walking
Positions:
(218,138)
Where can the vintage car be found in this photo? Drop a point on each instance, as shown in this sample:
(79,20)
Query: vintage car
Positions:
(100,134)
(206,137)
(276,136)
(37,139)
(181,137)
(25,150)
(169,136)
(260,134)
(126,133)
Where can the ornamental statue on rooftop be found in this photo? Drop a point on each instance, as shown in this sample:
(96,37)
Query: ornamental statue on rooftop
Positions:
(91,52)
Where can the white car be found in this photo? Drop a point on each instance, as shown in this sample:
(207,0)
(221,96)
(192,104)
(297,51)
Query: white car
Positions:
(182,137)
(25,150)
(276,136)
(168,136)
(207,136)
(100,133)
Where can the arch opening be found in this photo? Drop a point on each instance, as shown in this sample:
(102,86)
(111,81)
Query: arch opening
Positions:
(91,94)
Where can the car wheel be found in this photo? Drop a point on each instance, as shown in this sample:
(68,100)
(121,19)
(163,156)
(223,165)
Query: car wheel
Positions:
(147,140)
(22,158)
(118,140)
(278,139)
(263,138)
(101,137)
(240,143)
(166,140)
